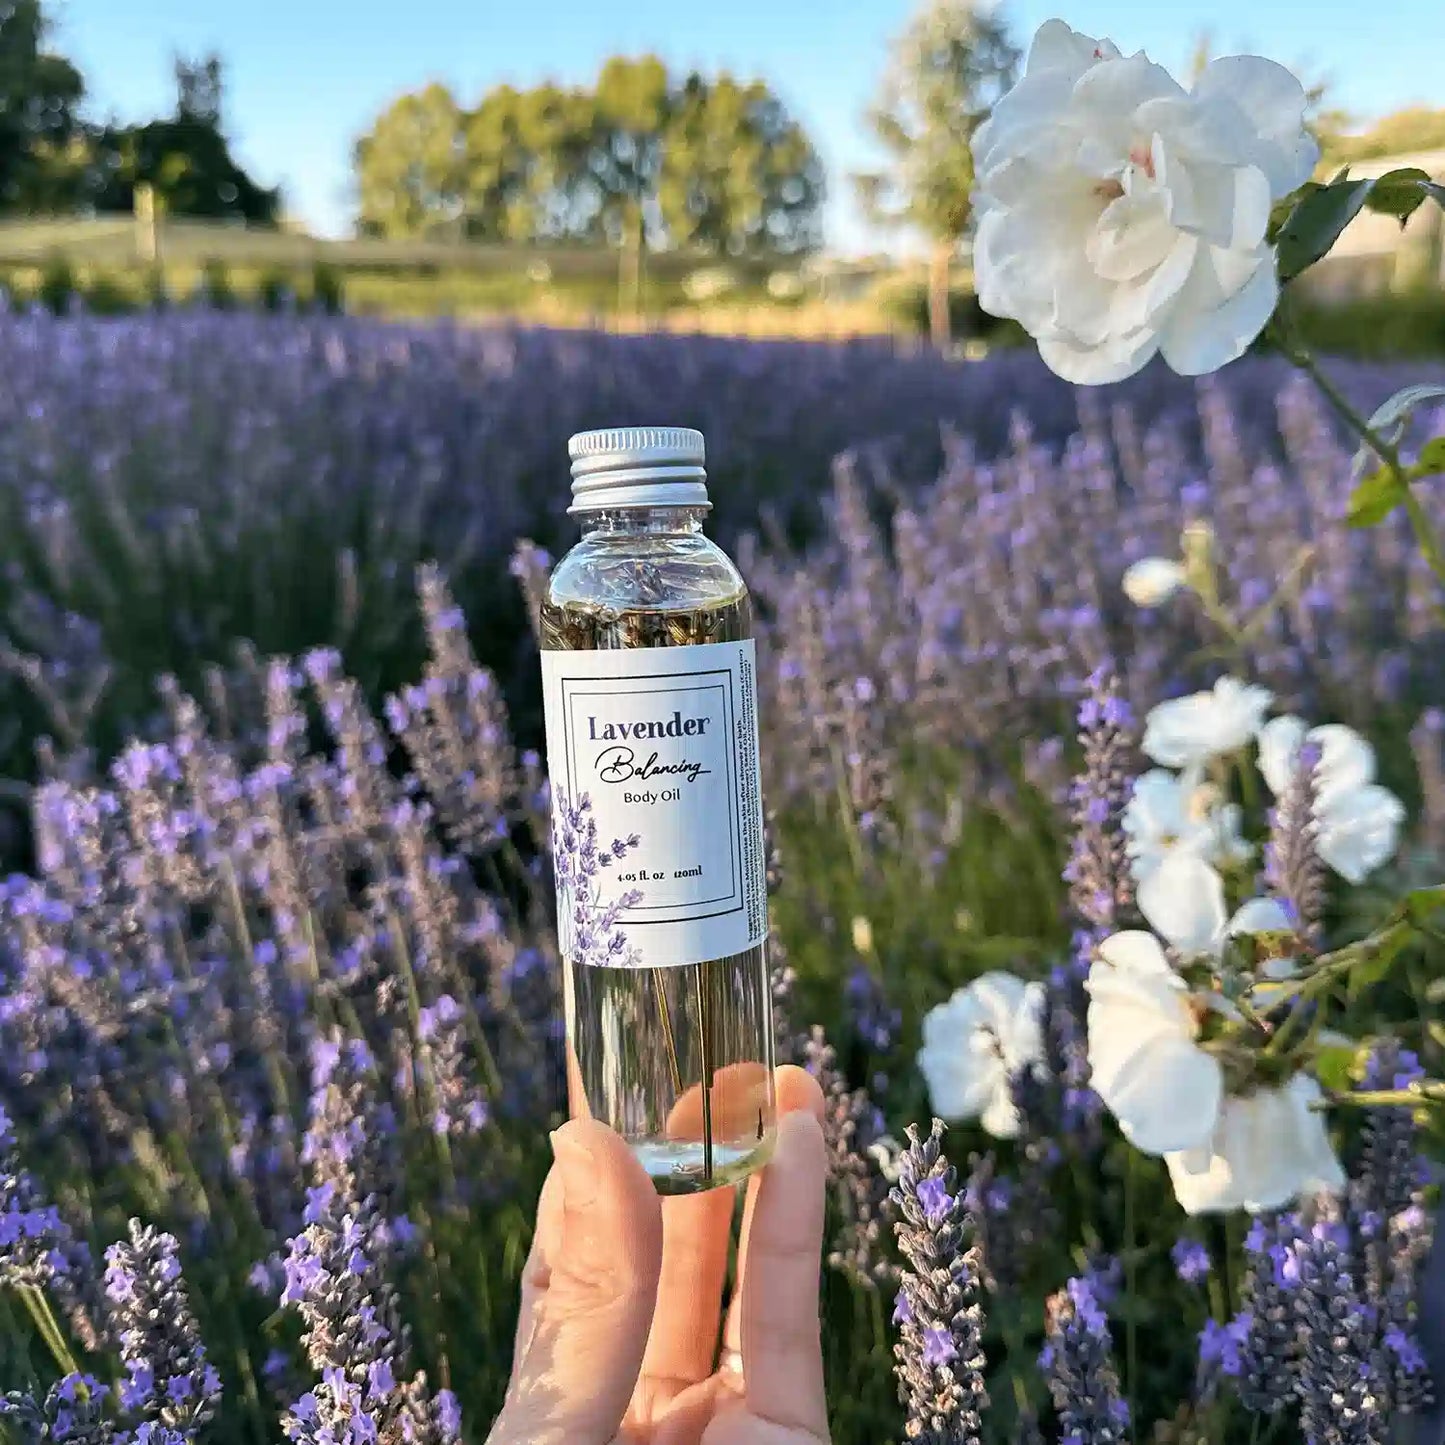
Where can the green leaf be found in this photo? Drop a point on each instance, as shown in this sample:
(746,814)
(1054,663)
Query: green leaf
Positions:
(1333,1066)
(1281,211)
(1375,498)
(1399,193)
(1431,459)
(1316,222)
(1422,903)
(1372,969)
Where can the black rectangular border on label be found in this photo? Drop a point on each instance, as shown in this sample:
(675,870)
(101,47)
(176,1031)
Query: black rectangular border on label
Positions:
(570,688)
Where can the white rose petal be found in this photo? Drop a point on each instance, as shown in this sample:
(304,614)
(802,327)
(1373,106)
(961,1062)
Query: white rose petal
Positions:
(1122,214)
(1057,46)
(1360,831)
(1183,901)
(1273,103)
(1168,814)
(1153,581)
(1359,821)
(1279,745)
(1189,731)
(1143,1059)
(1264,915)
(973,1044)
(1267,1149)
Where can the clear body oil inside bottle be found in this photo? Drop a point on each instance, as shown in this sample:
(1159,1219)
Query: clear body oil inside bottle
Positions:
(678,1058)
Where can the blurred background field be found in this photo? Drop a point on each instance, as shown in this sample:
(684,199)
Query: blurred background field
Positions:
(251,404)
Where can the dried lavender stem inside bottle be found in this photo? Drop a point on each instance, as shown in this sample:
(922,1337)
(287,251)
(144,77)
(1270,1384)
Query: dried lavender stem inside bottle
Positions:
(672,1051)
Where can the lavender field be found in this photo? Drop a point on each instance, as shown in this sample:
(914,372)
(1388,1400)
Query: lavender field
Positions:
(278,970)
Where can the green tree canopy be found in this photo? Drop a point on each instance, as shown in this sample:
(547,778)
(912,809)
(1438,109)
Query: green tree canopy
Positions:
(410,168)
(949,67)
(186,158)
(639,159)
(739,174)
(44,156)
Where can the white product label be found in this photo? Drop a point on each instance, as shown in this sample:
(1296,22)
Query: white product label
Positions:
(661,744)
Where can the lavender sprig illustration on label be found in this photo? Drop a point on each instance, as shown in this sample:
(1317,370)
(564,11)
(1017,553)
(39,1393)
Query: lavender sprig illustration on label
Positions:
(586,918)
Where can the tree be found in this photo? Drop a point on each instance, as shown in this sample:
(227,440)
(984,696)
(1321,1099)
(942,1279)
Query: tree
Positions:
(409,168)
(739,175)
(636,161)
(525,164)
(948,68)
(44,155)
(498,197)
(201,91)
(186,160)
(633,105)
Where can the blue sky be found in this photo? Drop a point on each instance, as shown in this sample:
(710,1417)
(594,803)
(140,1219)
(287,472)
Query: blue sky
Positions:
(307,76)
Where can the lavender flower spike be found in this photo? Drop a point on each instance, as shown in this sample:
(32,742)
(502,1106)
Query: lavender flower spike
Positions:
(1268,1352)
(858,1154)
(169,1380)
(72,1410)
(37,1248)
(1293,868)
(1100,888)
(940,1350)
(1341,1389)
(1078,1360)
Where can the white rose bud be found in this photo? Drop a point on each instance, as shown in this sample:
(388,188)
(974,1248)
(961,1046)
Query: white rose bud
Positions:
(1153,581)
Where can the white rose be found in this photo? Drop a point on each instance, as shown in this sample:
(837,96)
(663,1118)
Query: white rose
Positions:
(1189,731)
(1153,581)
(1144,1061)
(1168,814)
(1359,821)
(1268,1148)
(1122,215)
(973,1044)
(1182,900)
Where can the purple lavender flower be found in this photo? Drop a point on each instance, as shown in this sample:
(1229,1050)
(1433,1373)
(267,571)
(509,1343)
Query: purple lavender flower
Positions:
(1077,1361)
(1342,1394)
(1293,869)
(37,1247)
(876,1022)
(1397,1302)
(169,1379)
(940,1350)
(1100,885)
(859,1154)
(1387,1175)
(1191,1260)
(454,726)
(338,1281)
(1221,1345)
(72,1410)
(1269,1348)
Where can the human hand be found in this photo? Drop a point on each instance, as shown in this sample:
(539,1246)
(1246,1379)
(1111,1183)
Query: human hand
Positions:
(622,1300)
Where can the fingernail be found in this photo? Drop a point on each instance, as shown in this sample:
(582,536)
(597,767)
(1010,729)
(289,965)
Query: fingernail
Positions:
(579,1169)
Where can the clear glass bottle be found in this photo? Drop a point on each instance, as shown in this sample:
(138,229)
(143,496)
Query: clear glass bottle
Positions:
(650,688)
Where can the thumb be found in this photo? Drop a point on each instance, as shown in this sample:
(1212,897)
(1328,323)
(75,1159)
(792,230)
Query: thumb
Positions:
(595,1296)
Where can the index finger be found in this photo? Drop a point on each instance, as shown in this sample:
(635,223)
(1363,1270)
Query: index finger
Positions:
(797,1090)
(781,1334)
